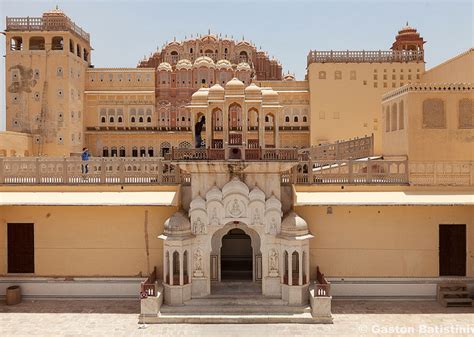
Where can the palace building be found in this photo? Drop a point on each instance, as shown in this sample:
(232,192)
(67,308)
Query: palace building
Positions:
(355,182)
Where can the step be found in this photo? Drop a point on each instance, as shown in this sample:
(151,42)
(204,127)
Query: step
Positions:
(455,292)
(460,300)
(303,318)
(234,302)
(237,310)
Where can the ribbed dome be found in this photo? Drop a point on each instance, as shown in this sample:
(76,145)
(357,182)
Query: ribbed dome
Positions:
(256,194)
(235,186)
(272,203)
(216,88)
(216,92)
(289,77)
(164,66)
(269,95)
(214,194)
(224,65)
(198,203)
(234,84)
(204,61)
(184,64)
(177,224)
(253,89)
(243,66)
(294,225)
(200,95)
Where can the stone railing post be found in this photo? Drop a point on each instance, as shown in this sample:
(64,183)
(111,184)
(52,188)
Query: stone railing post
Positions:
(65,171)
(37,171)
(350,163)
(294,175)
(369,171)
(122,172)
(160,171)
(103,171)
(310,171)
(2,171)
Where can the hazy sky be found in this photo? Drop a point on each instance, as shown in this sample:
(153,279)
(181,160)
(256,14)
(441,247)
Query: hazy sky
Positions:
(122,32)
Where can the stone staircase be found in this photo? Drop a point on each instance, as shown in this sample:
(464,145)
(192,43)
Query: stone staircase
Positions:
(235,302)
(453,294)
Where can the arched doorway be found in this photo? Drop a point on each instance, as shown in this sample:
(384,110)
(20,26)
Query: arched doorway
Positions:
(236,256)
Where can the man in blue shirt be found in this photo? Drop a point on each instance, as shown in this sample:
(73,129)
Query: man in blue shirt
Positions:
(85,157)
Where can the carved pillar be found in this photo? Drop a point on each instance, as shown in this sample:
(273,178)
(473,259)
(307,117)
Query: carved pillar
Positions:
(225,129)
(244,125)
(307,264)
(193,126)
(165,266)
(171,268)
(290,269)
(181,278)
(261,129)
(300,268)
(276,133)
(209,127)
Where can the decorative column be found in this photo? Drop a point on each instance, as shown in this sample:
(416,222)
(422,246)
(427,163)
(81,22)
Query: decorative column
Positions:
(193,127)
(290,269)
(171,269)
(209,128)
(300,268)
(307,266)
(261,129)
(181,278)
(165,266)
(225,130)
(244,125)
(276,130)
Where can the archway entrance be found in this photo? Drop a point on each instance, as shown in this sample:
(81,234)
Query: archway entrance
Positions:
(236,256)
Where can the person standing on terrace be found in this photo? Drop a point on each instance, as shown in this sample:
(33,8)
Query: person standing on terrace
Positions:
(197,131)
(85,158)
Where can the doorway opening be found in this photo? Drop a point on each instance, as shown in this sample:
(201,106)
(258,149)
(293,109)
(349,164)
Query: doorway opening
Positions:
(452,250)
(236,256)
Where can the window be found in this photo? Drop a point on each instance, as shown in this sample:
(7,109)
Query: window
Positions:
(387,119)
(142,152)
(111,119)
(37,43)
(16,43)
(120,119)
(322,75)
(295,119)
(113,152)
(305,119)
(338,75)
(71,46)
(466,114)
(434,116)
(267,119)
(151,152)
(140,120)
(393,116)
(353,75)
(148,119)
(105,152)
(287,119)
(401,116)
(102,119)
(57,43)
(132,119)
(134,151)
(375,84)
(122,151)
(78,50)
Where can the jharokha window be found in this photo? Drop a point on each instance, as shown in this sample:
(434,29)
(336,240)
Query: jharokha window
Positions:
(434,115)
(466,114)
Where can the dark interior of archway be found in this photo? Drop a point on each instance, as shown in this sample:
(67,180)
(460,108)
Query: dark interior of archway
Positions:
(236,256)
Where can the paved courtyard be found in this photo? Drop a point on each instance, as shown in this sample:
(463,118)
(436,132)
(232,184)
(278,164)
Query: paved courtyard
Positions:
(119,318)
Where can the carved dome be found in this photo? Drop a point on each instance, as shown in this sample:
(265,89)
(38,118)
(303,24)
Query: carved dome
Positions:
(244,43)
(235,186)
(198,203)
(272,203)
(164,66)
(216,92)
(214,194)
(269,95)
(184,64)
(177,224)
(257,194)
(294,225)
(224,65)
(235,84)
(243,66)
(204,61)
(200,95)
(289,77)
(253,89)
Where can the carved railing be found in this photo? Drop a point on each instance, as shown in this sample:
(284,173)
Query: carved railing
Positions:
(321,285)
(362,56)
(50,170)
(148,287)
(251,154)
(39,23)
(455,173)
(346,149)
(349,172)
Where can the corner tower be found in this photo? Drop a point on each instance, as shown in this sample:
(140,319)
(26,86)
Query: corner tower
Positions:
(46,59)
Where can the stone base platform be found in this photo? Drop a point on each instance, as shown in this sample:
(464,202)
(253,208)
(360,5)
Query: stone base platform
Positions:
(240,308)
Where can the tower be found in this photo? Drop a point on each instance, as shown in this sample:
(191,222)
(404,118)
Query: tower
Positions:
(46,59)
(408,39)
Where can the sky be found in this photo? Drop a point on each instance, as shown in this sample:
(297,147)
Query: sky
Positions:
(123,32)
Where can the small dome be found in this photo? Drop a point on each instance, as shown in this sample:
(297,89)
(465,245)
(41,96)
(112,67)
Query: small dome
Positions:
(204,61)
(407,29)
(272,203)
(243,43)
(201,94)
(216,92)
(257,194)
(294,225)
(253,89)
(216,88)
(235,186)
(214,194)
(289,77)
(184,64)
(234,84)
(269,95)
(177,224)
(243,66)
(164,66)
(224,65)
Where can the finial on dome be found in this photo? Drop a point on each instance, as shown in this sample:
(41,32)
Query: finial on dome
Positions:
(407,24)
(57,7)
(174,38)
(209,31)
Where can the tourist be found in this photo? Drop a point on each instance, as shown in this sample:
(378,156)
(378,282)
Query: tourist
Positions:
(85,157)
(198,130)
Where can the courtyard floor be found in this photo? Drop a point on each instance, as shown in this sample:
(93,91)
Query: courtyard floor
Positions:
(119,318)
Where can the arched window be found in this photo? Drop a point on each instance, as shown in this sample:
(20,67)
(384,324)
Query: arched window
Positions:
(295,119)
(338,75)
(176,268)
(184,145)
(243,56)
(120,120)
(322,75)
(111,119)
(305,119)
(71,46)
(267,119)
(140,119)
(466,114)
(151,152)
(287,119)
(102,119)
(401,116)
(105,152)
(57,43)
(37,43)
(148,119)
(434,116)
(134,151)
(142,151)
(78,50)
(393,117)
(113,152)
(122,151)
(16,43)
